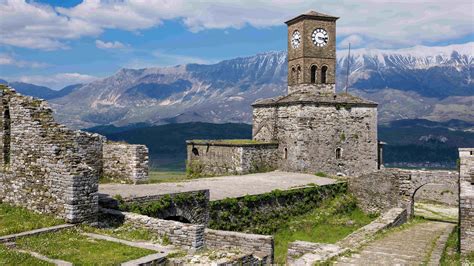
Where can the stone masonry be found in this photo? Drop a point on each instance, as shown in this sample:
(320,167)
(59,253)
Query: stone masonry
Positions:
(219,157)
(466,200)
(388,188)
(47,167)
(125,162)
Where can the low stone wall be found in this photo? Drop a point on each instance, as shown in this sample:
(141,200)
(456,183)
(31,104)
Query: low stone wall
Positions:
(466,201)
(307,253)
(252,213)
(212,158)
(191,207)
(45,166)
(261,246)
(125,162)
(180,234)
(391,187)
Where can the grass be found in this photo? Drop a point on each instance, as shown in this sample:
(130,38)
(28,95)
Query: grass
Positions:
(333,221)
(11,257)
(451,256)
(127,233)
(70,245)
(18,219)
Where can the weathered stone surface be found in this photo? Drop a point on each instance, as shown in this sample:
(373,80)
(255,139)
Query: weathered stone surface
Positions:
(334,134)
(211,158)
(466,200)
(259,245)
(179,234)
(384,189)
(125,162)
(47,167)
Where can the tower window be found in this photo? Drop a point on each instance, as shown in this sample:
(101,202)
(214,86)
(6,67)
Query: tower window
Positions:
(324,71)
(293,74)
(298,73)
(285,155)
(314,71)
(338,153)
(195,151)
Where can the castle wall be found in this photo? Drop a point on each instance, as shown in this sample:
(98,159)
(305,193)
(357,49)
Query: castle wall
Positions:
(45,166)
(311,134)
(214,158)
(466,200)
(125,162)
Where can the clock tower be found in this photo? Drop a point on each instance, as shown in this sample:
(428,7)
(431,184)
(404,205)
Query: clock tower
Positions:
(312,53)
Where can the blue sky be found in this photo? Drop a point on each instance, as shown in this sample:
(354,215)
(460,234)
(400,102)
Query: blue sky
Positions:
(59,42)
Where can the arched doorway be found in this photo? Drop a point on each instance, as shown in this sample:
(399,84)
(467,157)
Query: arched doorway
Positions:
(177,218)
(435,201)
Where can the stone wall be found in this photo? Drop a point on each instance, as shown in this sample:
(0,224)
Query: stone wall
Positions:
(220,157)
(308,253)
(190,207)
(466,200)
(332,138)
(125,162)
(47,167)
(179,234)
(261,246)
(391,187)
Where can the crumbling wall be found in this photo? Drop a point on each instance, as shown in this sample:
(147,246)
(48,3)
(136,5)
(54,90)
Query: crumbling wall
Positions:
(212,158)
(125,162)
(47,167)
(466,200)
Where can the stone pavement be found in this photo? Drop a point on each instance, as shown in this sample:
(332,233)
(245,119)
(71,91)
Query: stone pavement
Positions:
(418,244)
(221,187)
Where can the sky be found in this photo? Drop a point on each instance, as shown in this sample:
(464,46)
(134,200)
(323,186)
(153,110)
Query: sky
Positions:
(60,42)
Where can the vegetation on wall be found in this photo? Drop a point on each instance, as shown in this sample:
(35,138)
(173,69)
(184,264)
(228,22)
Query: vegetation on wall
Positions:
(265,213)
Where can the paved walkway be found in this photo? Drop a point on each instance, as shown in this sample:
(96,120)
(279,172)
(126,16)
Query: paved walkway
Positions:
(415,245)
(221,187)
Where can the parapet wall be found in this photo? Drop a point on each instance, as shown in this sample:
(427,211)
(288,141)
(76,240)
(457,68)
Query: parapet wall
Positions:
(466,200)
(125,162)
(212,158)
(47,167)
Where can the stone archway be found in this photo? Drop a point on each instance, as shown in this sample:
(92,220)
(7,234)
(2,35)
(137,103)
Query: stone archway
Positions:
(388,188)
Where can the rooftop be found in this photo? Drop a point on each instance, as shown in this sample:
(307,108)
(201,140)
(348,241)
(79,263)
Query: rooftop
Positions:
(316,98)
(312,15)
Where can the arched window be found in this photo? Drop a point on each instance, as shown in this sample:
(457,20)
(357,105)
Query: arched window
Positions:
(324,71)
(285,155)
(293,74)
(314,73)
(338,153)
(195,151)
(298,73)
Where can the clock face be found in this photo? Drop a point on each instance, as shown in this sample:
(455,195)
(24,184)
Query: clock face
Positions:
(320,37)
(296,39)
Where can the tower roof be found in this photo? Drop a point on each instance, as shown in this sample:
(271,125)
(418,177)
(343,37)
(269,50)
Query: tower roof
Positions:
(312,15)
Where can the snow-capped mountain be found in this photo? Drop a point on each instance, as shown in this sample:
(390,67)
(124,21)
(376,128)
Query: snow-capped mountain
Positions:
(419,82)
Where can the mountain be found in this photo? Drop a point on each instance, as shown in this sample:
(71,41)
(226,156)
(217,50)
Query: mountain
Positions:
(410,143)
(421,82)
(40,91)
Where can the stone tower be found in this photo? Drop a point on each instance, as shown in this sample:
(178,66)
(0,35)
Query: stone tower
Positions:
(312,53)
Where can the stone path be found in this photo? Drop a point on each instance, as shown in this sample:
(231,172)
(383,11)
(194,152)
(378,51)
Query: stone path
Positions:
(415,245)
(221,187)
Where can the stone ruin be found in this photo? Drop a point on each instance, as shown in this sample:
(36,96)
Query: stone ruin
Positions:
(466,200)
(49,168)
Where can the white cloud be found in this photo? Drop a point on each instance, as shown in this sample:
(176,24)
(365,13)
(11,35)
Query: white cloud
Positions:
(379,22)
(109,45)
(354,39)
(56,81)
(8,60)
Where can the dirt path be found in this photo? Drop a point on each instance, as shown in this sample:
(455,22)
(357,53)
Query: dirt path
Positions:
(418,244)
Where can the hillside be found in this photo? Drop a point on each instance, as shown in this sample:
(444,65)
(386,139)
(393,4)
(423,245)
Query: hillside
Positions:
(411,143)
(422,82)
